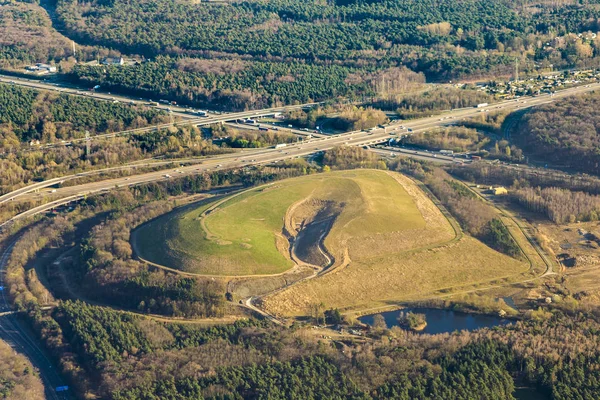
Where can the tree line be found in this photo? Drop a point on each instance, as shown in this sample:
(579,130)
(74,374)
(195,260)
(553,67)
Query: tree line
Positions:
(476,217)
(560,197)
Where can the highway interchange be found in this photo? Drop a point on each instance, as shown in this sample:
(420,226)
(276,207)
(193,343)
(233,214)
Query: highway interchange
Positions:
(10,330)
(272,155)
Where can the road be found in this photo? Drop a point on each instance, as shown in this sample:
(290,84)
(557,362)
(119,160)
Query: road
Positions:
(77,91)
(304,148)
(279,129)
(148,163)
(387,151)
(191,119)
(20,340)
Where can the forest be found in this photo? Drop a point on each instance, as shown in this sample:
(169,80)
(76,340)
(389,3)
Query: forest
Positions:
(256,85)
(265,53)
(28,114)
(458,139)
(357,31)
(559,205)
(564,133)
(559,197)
(18,379)
(431,101)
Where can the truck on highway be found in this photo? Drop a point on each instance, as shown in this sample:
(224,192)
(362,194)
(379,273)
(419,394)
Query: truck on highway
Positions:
(446,152)
(263,128)
(201,113)
(280,145)
(250,121)
(481,105)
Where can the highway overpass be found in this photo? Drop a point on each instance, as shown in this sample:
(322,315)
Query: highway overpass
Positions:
(301,149)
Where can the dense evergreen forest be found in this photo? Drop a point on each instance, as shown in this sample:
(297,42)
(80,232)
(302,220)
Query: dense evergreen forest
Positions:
(28,114)
(251,359)
(258,53)
(353,32)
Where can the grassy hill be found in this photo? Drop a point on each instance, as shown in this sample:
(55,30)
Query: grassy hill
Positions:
(247,234)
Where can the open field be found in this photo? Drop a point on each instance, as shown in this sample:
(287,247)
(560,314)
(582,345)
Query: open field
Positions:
(419,264)
(247,234)
(577,247)
(412,275)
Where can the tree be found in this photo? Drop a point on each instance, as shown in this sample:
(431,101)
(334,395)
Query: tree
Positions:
(379,322)
(333,316)
(48,132)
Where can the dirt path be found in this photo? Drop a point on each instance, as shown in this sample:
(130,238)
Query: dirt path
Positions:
(506,214)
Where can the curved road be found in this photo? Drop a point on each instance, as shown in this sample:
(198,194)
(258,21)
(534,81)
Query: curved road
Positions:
(10,330)
(356,138)
(20,340)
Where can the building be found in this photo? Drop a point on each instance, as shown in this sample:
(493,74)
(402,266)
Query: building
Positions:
(41,68)
(500,190)
(113,61)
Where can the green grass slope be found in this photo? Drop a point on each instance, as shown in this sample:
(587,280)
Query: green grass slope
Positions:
(242,235)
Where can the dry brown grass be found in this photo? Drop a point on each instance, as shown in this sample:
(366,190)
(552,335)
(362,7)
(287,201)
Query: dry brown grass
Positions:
(399,277)
(407,265)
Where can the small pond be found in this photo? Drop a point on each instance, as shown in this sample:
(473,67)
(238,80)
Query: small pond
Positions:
(442,321)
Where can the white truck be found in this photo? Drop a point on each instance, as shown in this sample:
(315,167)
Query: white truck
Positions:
(280,145)
(481,105)
(447,152)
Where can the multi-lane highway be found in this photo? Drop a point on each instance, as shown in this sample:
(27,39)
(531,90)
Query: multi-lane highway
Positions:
(20,340)
(11,332)
(184,112)
(391,152)
(304,148)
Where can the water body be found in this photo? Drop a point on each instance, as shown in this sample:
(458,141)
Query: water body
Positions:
(442,321)
(308,245)
(510,302)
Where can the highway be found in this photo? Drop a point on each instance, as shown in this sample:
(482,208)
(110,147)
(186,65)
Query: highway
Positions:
(392,152)
(304,148)
(191,120)
(279,128)
(77,91)
(19,339)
